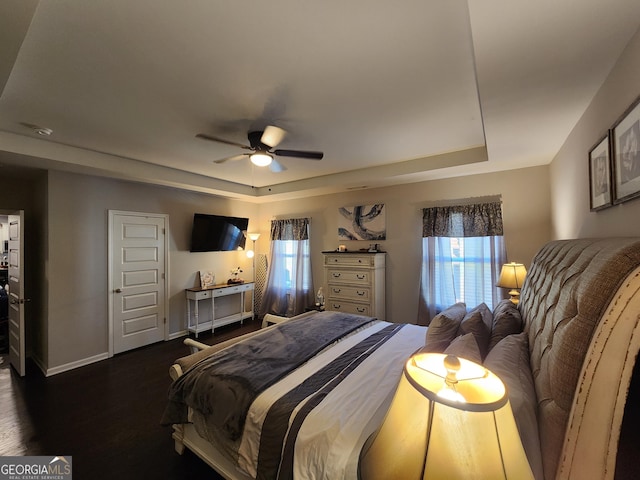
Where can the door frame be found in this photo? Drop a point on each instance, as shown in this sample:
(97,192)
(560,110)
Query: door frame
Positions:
(110,280)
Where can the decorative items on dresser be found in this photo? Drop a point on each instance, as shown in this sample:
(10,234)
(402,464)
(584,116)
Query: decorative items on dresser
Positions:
(196,325)
(355,282)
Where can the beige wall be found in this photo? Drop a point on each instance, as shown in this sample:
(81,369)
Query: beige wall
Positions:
(76,271)
(569,170)
(526,215)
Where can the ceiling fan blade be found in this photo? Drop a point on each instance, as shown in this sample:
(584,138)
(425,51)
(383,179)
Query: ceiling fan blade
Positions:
(276,167)
(232,159)
(272,136)
(299,154)
(205,136)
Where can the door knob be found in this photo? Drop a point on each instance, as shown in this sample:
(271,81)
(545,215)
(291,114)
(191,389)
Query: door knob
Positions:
(118,290)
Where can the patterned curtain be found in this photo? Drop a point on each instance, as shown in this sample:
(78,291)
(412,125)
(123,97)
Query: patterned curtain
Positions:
(476,220)
(291,229)
(289,288)
(261,283)
(463,251)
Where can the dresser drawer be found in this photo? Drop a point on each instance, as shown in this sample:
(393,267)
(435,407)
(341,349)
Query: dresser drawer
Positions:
(336,275)
(199,295)
(349,259)
(231,289)
(361,294)
(349,307)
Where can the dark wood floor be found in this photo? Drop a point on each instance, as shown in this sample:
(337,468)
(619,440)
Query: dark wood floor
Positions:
(105,415)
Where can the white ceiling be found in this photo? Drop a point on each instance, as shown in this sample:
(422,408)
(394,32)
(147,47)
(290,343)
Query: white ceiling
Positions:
(392,92)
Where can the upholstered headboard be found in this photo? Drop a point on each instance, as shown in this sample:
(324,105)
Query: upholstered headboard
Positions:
(570,287)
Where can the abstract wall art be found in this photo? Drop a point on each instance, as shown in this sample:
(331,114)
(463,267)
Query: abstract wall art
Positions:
(362,222)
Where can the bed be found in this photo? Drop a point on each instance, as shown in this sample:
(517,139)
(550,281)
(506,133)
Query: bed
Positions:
(578,319)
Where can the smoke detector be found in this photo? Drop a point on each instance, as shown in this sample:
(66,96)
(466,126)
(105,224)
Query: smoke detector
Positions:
(42,131)
(37,129)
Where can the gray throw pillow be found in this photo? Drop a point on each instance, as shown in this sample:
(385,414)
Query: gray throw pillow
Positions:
(474,322)
(444,328)
(465,346)
(509,360)
(507,320)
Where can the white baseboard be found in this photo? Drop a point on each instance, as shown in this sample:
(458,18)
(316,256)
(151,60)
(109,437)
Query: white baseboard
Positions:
(87,361)
(179,334)
(78,363)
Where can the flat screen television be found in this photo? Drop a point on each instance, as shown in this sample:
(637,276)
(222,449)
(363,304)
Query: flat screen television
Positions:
(217,233)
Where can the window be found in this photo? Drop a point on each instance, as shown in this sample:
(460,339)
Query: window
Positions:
(287,253)
(289,288)
(463,251)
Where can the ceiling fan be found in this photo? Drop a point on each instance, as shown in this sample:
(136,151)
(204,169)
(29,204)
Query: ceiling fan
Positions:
(261,144)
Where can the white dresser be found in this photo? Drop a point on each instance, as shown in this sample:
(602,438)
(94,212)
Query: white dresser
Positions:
(355,282)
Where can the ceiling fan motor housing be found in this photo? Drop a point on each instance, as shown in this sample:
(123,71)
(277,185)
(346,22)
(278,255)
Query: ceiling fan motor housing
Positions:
(256,142)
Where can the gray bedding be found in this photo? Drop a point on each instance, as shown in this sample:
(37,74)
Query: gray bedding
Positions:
(218,387)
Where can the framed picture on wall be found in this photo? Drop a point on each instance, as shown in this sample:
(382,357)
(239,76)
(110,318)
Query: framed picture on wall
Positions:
(626,154)
(600,175)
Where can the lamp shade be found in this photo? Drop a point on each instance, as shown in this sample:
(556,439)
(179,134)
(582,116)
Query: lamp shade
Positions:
(512,275)
(253,236)
(428,436)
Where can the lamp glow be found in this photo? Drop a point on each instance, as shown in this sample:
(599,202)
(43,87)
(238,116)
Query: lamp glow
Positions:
(261,159)
(512,276)
(426,436)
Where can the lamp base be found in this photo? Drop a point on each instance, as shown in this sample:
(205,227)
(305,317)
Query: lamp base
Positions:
(515,296)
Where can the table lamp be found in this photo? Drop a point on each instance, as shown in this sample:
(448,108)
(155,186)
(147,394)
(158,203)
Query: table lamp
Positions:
(512,276)
(450,418)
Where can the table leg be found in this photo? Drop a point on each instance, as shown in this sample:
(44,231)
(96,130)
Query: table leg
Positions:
(213,314)
(196,315)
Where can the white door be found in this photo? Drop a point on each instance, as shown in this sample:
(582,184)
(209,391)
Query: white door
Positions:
(138,280)
(15,258)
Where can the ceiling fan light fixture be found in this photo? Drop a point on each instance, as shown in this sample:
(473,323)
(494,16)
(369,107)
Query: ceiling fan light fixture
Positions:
(261,159)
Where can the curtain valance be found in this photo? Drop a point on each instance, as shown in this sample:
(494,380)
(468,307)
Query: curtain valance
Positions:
(290,229)
(475,220)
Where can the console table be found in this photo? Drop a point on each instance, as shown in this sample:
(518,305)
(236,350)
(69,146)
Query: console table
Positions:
(195,295)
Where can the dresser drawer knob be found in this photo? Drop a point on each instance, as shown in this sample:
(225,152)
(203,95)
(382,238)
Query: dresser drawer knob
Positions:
(336,275)
(361,277)
(336,306)
(361,309)
(360,293)
(337,290)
